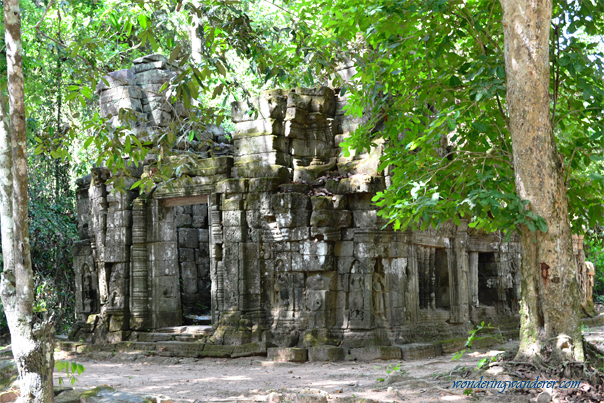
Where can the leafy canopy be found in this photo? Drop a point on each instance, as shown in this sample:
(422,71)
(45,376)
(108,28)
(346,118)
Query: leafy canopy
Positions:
(431,77)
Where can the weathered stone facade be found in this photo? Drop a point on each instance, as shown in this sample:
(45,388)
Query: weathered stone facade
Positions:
(280,241)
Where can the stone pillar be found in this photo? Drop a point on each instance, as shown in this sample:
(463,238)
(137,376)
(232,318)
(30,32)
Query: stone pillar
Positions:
(216,263)
(412,296)
(118,241)
(458,277)
(421,276)
(473,272)
(432,277)
(97,194)
(139,302)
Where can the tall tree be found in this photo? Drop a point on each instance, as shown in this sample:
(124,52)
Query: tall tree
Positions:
(32,339)
(550,305)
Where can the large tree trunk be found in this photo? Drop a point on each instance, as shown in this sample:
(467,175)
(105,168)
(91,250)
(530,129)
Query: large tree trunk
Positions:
(32,340)
(550,323)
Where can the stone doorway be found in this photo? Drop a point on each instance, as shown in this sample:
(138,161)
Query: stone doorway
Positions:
(192,234)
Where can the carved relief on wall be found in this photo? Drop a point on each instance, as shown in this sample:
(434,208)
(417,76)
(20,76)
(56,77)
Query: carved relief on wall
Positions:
(356,299)
(89,290)
(379,296)
(116,295)
(282,296)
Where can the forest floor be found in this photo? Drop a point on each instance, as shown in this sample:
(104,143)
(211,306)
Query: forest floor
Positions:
(256,380)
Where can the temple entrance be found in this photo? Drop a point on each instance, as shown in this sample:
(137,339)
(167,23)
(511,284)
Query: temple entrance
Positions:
(488,278)
(191,224)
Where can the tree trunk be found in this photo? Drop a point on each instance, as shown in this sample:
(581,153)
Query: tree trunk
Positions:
(32,340)
(549,313)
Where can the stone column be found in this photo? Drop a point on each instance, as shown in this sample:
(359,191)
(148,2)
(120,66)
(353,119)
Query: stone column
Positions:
(432,277)
(473,271)
(139,302)
(97,194)
(421,268)
(412,286)
(458,277)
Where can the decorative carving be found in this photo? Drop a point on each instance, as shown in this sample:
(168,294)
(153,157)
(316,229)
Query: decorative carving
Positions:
(356,301)
(379,301)
(282,290)
(89,293)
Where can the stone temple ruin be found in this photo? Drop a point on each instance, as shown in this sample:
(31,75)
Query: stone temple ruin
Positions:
(279,243)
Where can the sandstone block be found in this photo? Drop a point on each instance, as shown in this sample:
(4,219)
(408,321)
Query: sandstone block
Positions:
(267,158)
(249,350)
(188,238)
(189,270)
(311,148)
(183,221)
(316,248)
(289,201)
(330,218)
(377,353)
(260,144)
(336,202)
(265,184)
(310,398)
(259,127)
(356,184)
(218,351)
(268,106)
(186,254)
(418,351)
(290,354)
(326,233)
(293,218)
(233,218)
(259,170)
(116,79)
(344,248)
(327,353)
(312,262)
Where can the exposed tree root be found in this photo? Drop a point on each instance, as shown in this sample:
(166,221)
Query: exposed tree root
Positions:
(590,373)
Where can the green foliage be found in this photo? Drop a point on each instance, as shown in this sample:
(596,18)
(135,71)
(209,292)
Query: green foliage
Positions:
(431,76)
(70,369)
(391,369)
(485,331)
(594,252)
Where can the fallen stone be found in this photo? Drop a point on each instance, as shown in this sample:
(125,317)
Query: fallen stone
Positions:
(310,398)
(327,353)
(377,353)
(69,396)
(217,351)
(275,397)
(249,350)
(287,354)
(544,397)
(418,351)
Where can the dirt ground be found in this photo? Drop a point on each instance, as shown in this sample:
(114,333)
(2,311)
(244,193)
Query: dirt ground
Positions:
(256,380)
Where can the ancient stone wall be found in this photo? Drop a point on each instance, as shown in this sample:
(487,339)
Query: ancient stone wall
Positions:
(280,241)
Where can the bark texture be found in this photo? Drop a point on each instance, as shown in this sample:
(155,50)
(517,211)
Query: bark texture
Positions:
(550,322)
(32,339)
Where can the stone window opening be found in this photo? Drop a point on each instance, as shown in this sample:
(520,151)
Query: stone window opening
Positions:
(433,265)
(488,279)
